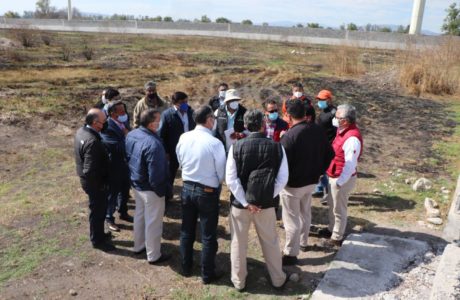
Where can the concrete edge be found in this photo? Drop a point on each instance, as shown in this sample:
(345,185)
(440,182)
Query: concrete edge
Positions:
(452,229)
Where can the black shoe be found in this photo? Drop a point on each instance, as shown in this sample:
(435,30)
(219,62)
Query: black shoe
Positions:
(317,194)
(163,258)
(112,226)
(126,217)
(325,232)
(106,247)
(186,272)
(304,248)
(335,244)
(281,287)
(140,251)
(217,275)
(289,260)
(107,236)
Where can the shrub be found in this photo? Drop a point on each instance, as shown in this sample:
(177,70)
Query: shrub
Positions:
(66,52)
(346,61)
(88,52)
(46,39)
(25,35)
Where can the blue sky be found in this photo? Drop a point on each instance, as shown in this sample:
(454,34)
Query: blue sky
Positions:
(326,12)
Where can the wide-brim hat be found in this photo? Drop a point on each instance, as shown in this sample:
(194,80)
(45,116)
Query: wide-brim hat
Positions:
(231,95)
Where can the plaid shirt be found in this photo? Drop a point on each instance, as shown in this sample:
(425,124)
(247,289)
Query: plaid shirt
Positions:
(270,129)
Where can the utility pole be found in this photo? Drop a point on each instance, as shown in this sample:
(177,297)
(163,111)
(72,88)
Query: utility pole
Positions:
(69,10)
(417,17)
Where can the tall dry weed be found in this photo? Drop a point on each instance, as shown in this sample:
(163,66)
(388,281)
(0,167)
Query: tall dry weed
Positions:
(432,70)
(346,60)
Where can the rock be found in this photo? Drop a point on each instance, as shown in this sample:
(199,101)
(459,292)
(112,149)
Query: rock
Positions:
(430,203)
(447,192)
(358,228)
(294,277)
(433,213)
(429,255)
(73,292)
(435,221)
(377,191)
(407,181)
(422,184)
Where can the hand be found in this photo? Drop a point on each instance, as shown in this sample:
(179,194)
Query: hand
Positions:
(253,209)
(233,135)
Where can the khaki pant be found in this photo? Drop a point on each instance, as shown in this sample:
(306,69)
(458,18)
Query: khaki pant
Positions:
(265,224)
(337,199)
(148,223)
(296,204)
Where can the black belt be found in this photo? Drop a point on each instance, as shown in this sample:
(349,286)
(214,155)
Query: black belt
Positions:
(207,189)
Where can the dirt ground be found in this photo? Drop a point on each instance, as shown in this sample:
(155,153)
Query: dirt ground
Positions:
(44,247)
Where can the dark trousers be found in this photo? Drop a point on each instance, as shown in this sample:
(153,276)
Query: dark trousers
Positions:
(123,197)
(173,166)
(117,198)
(97,210)
(197,202)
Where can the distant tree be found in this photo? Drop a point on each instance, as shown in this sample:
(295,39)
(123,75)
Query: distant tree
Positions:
(183,20)
(223,20)
(452,21)
(385,29)
(121,17)
(342,27)
(157,19)
(299,25)
(313,25)
(246,22)
(168,19)
(265,24)
(205,19)
(43,9)
(11,14)
(352,27)
(28,14)
(402,29)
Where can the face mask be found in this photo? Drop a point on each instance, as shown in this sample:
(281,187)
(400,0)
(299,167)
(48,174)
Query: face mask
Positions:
(105,101)
(298,94)
(322,104)
(123,118)
(273,116)
(183,107)
(233,105)
(335,122)
(222,94)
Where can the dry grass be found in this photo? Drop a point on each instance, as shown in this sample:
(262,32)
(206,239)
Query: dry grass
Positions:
(346,60)
(433,70)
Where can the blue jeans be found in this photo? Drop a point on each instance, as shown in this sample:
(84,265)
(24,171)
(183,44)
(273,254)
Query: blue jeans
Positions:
(203,203)
(322,185)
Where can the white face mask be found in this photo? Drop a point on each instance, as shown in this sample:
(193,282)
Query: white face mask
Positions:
(105,101)
(298,94)
(335,122)
(222,94)
(233,105)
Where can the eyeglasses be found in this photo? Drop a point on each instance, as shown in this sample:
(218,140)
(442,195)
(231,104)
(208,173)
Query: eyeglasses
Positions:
(272,111)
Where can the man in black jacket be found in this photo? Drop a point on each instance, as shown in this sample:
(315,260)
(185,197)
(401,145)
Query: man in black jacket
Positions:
(309,154)
(216,101)
(92,163)
(257,170)
(324,102)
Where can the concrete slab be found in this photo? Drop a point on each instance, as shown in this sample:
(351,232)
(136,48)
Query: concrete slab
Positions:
(452,230)
(446,284)
(366,265)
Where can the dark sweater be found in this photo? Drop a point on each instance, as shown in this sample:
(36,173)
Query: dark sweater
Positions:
(308,152)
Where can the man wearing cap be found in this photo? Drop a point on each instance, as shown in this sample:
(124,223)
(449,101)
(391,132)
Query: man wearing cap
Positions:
(230,119)
(151,100)
(324,102)
(218,100)
(342,172)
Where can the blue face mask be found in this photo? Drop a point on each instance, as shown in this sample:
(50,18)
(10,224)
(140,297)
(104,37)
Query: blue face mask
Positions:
(123,118)
(273,116)
(183,107)
(322,104)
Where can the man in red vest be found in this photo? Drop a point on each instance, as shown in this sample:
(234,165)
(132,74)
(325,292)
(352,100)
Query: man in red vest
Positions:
(342,172)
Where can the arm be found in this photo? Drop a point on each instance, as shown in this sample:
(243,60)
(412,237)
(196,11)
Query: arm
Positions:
(219,160)
(136,115)
(163,130)
(351,148)
(233,182)
(91,155)
(155,166)
(283,175)
(178,150)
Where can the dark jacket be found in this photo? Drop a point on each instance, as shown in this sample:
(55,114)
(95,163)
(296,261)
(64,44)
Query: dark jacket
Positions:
(172,128)
(114,141)
(91,159)
(214,102)
(147,161)
(258,160)
(308,152)
(325,121)
(222,121)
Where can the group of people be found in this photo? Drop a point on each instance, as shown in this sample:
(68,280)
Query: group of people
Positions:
(267,158)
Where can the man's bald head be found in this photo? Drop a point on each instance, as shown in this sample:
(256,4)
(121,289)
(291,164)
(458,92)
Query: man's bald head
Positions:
(95,118)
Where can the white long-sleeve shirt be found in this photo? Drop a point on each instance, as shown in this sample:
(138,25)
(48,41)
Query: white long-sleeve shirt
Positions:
(234,183)
(351,149)
(202,157)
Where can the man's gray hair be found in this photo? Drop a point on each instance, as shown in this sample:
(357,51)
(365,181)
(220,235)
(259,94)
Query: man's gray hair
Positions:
(253,120)
(349,112)
(150,84)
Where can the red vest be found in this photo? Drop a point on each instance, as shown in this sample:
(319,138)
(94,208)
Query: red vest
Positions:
(337,164)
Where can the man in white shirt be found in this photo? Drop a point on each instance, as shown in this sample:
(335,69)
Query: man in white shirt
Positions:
(202,158)
(256,172)
(342,172)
